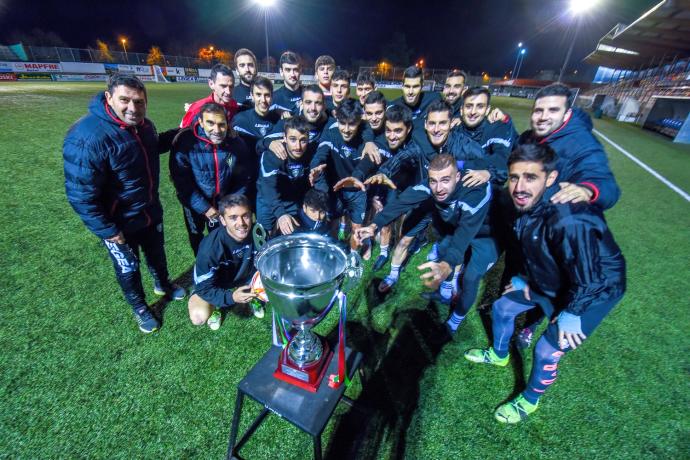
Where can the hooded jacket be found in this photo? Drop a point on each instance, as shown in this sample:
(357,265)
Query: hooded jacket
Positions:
(112,171)
(203,171)
(581,158)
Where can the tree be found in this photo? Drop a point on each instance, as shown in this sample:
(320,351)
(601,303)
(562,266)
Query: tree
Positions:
(155,56)
(397,51)
(224,57)
(103,51)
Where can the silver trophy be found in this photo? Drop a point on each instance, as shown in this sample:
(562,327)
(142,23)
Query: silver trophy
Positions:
(303,275)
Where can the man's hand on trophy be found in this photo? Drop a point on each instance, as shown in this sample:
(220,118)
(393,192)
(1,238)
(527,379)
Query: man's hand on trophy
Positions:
(243,294)
(287,224)
(438,271)
(315,173)
(380,179)
(363,233)
(349,182)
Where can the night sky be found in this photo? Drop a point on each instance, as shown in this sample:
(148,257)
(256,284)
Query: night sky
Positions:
(473,35)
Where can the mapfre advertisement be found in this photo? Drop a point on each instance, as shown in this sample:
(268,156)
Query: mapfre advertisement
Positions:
(40,67)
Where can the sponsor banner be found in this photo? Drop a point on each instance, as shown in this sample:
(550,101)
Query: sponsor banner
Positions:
(135,69)
(82,67)
(186,78)
(26,67)
(191,72)
(147,78)
(112,68)
(59,77)
(270,76)
(176,71)
(34,76)
(8,77)
(205,73)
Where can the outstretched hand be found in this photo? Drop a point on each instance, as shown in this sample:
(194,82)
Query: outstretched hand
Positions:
(380,179)
(349,182)
(315,173)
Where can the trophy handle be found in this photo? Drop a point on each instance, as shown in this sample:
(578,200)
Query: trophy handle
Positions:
(353,270)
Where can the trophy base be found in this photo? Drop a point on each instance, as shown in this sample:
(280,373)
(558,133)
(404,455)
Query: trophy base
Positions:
(307,377)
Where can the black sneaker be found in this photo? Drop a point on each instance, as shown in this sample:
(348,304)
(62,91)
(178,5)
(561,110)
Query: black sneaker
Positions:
(173,291)
(417,244)
(146,321)
(380,262)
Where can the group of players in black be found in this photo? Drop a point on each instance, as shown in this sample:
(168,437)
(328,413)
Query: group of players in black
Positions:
(308,158)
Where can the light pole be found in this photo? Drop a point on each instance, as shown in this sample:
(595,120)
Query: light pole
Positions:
(521,56)
(512,74)
(577,8)
(265,6)
(124,47)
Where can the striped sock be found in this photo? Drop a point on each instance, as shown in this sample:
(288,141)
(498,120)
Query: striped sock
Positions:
(342,226)
(446,289)
(454,321)
(384,251)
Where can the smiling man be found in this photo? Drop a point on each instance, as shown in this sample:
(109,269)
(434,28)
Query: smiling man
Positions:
(112,169)
(456,212)
(224,265)
(245,65)
(221,81)
(453,89)
(574,273)
(413,96)
(206,164)
(584,173)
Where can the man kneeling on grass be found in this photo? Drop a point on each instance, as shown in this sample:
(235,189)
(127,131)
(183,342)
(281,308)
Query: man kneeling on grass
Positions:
(573,271)
(224,264)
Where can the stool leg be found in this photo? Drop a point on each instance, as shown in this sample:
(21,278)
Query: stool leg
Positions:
(317,447)
(235,424)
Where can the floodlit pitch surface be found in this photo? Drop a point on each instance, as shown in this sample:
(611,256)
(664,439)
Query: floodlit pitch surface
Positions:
(79,380)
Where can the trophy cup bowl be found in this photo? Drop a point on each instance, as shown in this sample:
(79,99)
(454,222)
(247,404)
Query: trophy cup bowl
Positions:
(302,275)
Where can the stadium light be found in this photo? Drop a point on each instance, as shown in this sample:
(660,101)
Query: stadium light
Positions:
(124,47)
(577,8)
(580,6)
(266,5)
(512,73)
(521,58)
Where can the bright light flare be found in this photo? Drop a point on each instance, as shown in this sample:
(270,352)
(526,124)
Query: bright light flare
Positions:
(581,6)
(520,45)
(265,3)
(523,51)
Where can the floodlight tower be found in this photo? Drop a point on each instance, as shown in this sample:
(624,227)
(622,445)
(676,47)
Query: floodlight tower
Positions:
(577,9)
(521,55)
(124,47)
(512,74)
(266,5)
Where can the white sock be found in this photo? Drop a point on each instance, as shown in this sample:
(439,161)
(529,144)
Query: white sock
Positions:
(446,289)
(395,271)
(384,251)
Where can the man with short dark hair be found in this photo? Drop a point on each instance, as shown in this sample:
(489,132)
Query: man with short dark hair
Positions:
(313,110)
(584,172)
(253,125)
(365,84)
(221,81)
(283,182)
(574,272)
(287,99)
(324,67)
(313,215)
(413,96)
(245,65)
(224,265)
(339,153)
(112,169)
(206,164)
(340,90)
(453,89)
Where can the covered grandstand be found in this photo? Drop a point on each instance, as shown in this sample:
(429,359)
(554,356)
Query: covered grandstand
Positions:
(644,70)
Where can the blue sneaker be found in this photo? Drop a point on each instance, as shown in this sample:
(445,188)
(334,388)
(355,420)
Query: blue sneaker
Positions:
(380,262)
(146,321)
(417,244)
(173,291)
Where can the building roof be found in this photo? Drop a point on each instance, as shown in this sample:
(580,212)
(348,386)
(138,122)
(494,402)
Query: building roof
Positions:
(661,34)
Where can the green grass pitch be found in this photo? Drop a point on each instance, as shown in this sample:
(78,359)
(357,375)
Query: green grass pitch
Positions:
(79,380)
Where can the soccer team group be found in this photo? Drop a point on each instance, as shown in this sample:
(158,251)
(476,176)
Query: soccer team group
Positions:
(367,171)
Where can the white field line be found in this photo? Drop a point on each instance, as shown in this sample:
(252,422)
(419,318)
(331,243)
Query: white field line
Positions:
(644,166)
